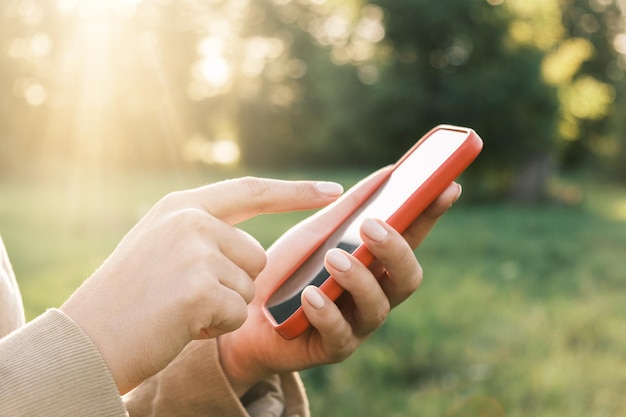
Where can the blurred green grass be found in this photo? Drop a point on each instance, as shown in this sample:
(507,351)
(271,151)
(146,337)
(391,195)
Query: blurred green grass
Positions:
(521,312)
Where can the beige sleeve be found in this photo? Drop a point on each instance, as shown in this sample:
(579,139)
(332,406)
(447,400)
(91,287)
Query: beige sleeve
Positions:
(279,396)
(11,308)
(50,367)
(194,384)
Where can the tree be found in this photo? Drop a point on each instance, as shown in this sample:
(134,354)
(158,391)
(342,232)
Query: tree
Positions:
(314,83)
(453,62)
(591,91)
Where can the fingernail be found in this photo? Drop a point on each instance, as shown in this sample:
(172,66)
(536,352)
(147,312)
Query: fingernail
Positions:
(313,296)
(458,195)
(373,230)
(338,260)
(330,188)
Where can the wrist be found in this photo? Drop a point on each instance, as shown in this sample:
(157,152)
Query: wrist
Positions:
(241,374)
(72,310)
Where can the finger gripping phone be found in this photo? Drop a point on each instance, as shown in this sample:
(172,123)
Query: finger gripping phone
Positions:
(414,182)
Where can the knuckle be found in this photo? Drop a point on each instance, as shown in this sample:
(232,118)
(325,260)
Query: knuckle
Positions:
(255,257)
(342,350)
(199,289)
(248,292)
(173,199)
(413,279)
(190,215)
(254,187)
(236,318)
(418,278)
(218,310)
(402,254)
(342,344)
(303,190)
(189,220)
(400,257)
(381,315)
(258,259)
(241,283)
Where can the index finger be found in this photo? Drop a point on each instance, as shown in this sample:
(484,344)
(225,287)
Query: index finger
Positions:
(236,200)
(312,228)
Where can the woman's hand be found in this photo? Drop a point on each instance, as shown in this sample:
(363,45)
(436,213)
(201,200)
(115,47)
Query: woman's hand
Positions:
(255,351)
(182,273)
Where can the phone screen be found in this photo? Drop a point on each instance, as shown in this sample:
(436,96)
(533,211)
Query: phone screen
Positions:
(405,179)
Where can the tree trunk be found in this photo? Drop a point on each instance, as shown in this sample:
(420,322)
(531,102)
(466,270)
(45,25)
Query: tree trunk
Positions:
(531,183)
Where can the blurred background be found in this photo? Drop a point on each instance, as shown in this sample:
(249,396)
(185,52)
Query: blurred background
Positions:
(105,106)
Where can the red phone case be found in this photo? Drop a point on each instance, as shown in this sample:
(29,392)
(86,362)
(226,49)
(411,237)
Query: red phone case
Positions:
(419,200)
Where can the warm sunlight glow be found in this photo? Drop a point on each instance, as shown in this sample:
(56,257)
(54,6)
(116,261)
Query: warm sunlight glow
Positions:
(353,39)
(225,152)
(619,43)
(35,94)
(120,81)
(214,70)
(90,8)
(220,152)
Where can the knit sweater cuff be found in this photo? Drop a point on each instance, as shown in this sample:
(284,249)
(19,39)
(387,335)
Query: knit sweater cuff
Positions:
(194,384)
(51,367)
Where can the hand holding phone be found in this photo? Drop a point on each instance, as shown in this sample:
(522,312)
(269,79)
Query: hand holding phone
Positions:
(411,186)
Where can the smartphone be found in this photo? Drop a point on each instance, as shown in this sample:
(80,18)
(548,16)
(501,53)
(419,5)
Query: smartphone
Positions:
(414,182)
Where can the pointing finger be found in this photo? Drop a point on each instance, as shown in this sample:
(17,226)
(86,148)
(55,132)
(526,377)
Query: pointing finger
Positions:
(236,200)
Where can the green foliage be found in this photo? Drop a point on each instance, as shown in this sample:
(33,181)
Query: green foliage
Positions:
(454,67)
(600,23)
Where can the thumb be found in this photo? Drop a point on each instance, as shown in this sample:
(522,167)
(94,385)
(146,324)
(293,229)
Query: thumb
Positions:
(236,200)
